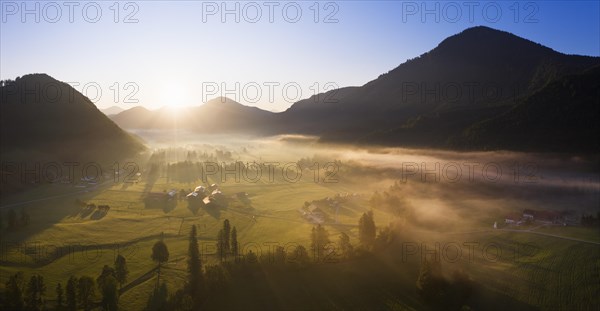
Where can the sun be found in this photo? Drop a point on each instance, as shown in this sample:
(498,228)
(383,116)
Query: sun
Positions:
(174,95)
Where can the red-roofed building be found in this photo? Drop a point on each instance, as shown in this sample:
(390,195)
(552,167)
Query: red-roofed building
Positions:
(543,216)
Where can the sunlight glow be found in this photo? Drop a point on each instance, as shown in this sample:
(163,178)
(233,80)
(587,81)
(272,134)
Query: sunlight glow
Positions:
(174,95)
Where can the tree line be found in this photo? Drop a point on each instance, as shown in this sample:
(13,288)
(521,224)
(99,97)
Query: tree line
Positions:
(204,283)
(15,221)
(79,292)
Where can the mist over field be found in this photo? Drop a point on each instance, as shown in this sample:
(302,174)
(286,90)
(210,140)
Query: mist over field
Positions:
(353,155)
(441,188)
(428,205)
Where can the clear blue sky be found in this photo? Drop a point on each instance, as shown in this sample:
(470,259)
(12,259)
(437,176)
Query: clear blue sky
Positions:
(179,48)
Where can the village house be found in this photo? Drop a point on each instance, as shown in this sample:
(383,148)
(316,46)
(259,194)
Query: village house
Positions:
(514,219)
(313,213)
(548,217)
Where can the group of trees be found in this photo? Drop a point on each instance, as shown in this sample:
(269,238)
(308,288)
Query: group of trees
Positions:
(391,201)
(320,243)
(195,278)
(204,282)
(184,171)
(590,220)
(430,281)
(323,248)
(435,289)
(370,239)
(78,294)
(15,221)
(367,230)
(14,291)
(227,243)
(7,82)
(200,283)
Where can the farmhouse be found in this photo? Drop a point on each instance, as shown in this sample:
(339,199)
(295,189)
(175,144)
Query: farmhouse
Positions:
(313,213)
(513,219)
(542,216)
(216,197)
(198,192)
(315,210)
(200,189)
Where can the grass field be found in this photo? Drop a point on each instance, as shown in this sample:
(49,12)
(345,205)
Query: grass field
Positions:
(533,272)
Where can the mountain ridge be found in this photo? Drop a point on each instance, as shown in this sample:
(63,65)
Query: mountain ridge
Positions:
(490,71)
(42,114)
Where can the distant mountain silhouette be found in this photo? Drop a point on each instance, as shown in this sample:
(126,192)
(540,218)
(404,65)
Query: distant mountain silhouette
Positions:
(48,119)
(475,75)
(438,99)
(136,117)
(219,115)
(457,95)
(112,110)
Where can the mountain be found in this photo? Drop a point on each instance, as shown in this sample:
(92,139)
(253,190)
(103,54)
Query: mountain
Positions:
(112,110)
(563,115)
(475,75)
(219,115)
(45,119)
(455,96)
(135,118)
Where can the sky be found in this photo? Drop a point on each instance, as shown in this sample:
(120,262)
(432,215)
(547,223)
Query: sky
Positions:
(264,54)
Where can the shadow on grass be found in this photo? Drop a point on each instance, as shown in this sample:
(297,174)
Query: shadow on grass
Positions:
(97,215)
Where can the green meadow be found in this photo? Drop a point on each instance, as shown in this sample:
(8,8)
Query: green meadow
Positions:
(522,268)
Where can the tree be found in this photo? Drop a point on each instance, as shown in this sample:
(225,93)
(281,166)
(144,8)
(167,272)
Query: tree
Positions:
(158,299)
(12,219)
(300,255)
(279,255)
(14,292)
(251,257)
(72,294)
(376,200)
(366,230)
(235,248)
(160,254)
(86,290)
(345,246)
(216,279)
(180,301)
(59,296)
(35,292)
(384,238)
(221,249)
(226,235)
(110,294)
(121,270)
(107,282)
(462,287)
(106,272)
(24,217)
(194,267)
(319,241)
(430,281)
